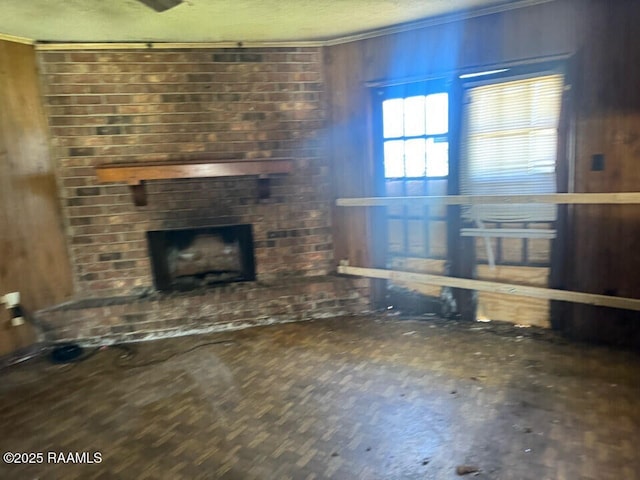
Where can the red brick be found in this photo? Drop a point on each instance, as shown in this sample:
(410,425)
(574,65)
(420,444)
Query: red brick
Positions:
(112,106)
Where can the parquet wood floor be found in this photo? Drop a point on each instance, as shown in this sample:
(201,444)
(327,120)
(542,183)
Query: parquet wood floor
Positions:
(346,398)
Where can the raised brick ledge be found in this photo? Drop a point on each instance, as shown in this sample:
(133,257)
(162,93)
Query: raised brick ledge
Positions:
(239,305)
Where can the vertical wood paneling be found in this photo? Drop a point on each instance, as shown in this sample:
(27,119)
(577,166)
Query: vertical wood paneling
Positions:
(33,254)
(606,239)
(352,159)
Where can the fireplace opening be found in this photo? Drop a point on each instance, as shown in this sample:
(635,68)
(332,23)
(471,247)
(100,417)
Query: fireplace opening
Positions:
(197,257)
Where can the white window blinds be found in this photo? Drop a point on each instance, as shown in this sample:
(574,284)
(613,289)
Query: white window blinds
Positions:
(509,146)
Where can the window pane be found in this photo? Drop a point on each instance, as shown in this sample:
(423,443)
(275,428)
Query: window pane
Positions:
(394,158)
(437,158)
(437,112)
(414,116)
(414,157)
(392,113)
(407,124)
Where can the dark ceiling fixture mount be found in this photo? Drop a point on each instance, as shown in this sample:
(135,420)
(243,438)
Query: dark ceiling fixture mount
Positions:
(161,5)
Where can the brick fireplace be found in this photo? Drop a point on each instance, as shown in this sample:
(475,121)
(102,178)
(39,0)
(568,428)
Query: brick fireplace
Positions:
(137,106)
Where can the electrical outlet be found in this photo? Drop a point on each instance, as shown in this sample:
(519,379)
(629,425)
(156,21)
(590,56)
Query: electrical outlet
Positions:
(597,162)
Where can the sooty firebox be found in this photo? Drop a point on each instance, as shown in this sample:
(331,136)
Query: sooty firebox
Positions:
(196,257)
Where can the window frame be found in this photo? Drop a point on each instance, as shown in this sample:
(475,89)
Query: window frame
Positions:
(404,90)
(460,254)
(455,87)
(505,176)
(533,70)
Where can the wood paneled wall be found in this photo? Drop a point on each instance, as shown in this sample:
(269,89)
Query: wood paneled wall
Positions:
(604,241)
(352,155)
(33,254)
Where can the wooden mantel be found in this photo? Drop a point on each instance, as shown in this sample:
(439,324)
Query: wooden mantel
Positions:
(135,174)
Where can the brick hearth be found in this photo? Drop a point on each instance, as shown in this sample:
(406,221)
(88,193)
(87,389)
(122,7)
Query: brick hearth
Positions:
(237,305)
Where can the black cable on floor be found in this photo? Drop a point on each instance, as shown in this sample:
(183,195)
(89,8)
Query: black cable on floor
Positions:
(58,354)
(130,353)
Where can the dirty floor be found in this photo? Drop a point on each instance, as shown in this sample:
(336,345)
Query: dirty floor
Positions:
(348,398)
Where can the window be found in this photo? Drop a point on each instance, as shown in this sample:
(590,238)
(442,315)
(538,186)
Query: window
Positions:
(412,153)
(415,141)
(505,127)
(509,143)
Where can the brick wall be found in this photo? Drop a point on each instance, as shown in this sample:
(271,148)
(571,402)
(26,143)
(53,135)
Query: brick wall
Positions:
(175,105)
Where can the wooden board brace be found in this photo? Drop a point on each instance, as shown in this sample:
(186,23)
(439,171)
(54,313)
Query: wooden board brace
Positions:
(548,198)
(495,287)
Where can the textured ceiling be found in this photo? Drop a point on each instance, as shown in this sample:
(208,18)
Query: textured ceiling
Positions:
(213,20)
